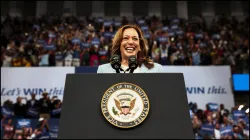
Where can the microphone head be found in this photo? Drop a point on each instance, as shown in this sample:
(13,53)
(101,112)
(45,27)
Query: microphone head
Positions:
(132,62)
(115,61)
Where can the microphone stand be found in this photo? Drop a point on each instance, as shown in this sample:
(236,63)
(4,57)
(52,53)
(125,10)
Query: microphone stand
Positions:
(125,70)
(117,70)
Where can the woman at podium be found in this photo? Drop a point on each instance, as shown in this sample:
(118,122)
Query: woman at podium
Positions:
(129,53)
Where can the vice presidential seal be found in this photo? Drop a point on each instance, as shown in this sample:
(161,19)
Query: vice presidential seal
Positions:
(125,105)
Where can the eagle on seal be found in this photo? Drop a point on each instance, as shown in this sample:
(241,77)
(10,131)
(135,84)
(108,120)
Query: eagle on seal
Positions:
(125,106)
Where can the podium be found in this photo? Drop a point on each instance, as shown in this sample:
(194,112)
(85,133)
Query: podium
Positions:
(84,110)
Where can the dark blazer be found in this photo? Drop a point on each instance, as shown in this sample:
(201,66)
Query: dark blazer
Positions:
(35,105)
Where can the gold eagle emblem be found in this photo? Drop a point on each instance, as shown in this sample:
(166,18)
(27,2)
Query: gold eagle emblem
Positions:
(125,106)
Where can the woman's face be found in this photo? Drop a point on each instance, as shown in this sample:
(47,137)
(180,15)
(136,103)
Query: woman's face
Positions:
(130,44)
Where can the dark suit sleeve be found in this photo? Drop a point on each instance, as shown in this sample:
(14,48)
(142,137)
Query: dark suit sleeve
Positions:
(28,104)
(36,103)
(15,109)
(50,106)
(39,104)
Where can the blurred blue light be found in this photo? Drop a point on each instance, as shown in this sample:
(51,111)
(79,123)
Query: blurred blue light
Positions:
(241,82)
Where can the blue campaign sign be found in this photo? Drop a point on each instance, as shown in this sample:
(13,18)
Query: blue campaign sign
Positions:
(213,106)
(76,41)
(163,39)
(23,123)
(50,47)
(59,56)
(174,27)
(199,36)
(118,23)
(226,130)
(171,34)
(56,111)
(238,114)
(95,41)
(165,28)
(207,129)
(141,21)
(179,32)
(144,28)
(32,112)
(44,135)
(107,34)
(7,112)
(85,45)
(107,23)
(147,35)
(102,52)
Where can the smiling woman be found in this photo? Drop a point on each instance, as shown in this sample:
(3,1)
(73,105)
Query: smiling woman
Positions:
(129,41)
(130,44)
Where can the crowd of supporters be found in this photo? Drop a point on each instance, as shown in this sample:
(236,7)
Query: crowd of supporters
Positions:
(39,118)
(18,118)
(218,122)
(73,41)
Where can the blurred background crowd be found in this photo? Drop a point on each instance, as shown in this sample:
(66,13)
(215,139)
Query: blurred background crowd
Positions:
(70,41)
(218,122)
(18,118)
(28,119)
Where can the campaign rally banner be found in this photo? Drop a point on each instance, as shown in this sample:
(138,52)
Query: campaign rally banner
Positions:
(25,81)
(206,84)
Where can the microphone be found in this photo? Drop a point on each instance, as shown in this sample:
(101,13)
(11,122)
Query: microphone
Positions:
(132,63)
(115,62)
